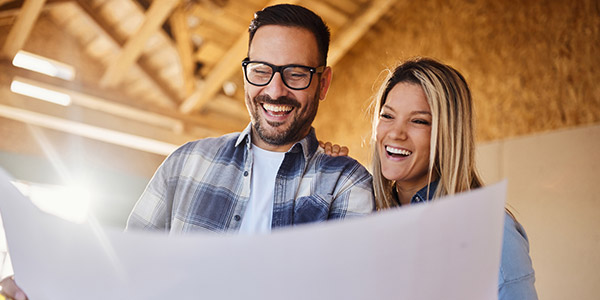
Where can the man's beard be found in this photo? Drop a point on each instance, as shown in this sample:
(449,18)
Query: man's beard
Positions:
(298,126)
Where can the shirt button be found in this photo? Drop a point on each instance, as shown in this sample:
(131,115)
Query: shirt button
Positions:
(237,217)
(245,173)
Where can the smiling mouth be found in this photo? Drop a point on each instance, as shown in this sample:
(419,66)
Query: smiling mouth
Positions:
(397,152)
(277,110)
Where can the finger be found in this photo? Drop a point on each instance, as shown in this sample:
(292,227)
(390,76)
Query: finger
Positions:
(335,150)
(321,144)
(10,289)
(328,149)
(344,151)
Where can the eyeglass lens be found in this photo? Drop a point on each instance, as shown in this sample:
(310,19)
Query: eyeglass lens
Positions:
(296,77)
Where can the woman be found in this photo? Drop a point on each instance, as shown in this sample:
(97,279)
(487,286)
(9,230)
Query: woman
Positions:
(423,148)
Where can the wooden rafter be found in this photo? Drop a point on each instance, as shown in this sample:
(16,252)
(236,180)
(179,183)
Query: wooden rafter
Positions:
(184,47)
(2,2)
(332,16)
(8,5)
(226,67)
(347,7)
(110,107)
(14,6)
(110,101)
(20,31)
(219,74)
(85,5)
(155,16)
(356,28)
(88,131)
(222,21)
(223,70)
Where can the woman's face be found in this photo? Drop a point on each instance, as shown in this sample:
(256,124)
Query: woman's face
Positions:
(403,135)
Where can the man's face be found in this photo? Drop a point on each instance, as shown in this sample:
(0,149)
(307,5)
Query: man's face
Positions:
(282,116)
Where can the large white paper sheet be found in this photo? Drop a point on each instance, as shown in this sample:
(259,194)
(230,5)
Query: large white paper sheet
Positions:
(448,249)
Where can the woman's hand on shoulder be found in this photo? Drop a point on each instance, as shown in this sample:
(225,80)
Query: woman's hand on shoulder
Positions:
(334,149)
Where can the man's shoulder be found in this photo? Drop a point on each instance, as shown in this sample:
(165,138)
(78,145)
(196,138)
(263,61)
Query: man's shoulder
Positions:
(208,145)
(194,156)
(325,160)
(344,164)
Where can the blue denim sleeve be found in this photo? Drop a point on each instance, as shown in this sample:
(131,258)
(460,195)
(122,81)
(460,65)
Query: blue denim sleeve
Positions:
(516,279)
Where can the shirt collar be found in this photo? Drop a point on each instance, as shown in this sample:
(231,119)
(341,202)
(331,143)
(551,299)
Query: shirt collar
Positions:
(245,136)
(422,195)
(308,145)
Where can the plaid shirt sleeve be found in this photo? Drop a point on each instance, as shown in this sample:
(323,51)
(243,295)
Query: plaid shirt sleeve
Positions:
(153,209)
(355,196)
(199,187)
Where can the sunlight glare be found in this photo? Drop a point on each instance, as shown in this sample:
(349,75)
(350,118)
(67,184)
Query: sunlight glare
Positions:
(71,203)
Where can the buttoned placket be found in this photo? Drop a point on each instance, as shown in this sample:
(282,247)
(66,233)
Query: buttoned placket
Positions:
(246,177)
(280,217)
(416,199)
(283,217)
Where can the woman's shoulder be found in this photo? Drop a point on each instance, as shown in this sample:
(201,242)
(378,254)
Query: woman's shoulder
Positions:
(516,262)
(516,270)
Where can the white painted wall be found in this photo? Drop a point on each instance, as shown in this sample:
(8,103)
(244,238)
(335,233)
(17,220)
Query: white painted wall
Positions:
(553,181)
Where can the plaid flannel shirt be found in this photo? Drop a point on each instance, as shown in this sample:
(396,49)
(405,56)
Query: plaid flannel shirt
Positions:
(205,186)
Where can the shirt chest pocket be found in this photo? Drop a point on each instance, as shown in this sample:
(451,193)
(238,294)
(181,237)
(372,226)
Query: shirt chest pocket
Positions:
(313,208)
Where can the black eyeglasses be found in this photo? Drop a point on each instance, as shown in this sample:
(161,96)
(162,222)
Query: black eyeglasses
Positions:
(295,77)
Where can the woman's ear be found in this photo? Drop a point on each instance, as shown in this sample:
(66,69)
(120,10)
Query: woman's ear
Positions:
(325,82)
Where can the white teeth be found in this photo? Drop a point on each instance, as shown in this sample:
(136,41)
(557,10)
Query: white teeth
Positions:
(397,151)
(278,108)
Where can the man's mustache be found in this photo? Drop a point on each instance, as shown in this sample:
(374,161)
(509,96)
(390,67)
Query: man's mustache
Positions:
(283,100)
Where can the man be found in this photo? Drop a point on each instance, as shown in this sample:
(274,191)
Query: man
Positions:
(272,174)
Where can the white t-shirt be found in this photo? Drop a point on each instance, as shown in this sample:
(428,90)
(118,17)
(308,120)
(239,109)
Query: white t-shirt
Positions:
(259,210)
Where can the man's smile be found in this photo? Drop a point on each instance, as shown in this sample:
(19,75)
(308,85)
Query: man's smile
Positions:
(277,110)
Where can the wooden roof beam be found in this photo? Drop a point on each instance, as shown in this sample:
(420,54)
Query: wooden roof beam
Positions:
(155,16)
(185,49)
(110,107)
(12,7)
(2,2)
(88,131)
(111,102)
(19,33)
(85,6)
(223,70)
(356,28)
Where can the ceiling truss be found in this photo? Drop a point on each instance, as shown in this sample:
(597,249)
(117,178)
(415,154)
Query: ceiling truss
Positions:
(178,74)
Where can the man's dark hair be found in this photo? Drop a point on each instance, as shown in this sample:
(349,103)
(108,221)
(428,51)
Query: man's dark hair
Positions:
(296,16)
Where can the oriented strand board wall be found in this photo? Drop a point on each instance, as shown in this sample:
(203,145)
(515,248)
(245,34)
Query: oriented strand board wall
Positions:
(532,65)
(552,189)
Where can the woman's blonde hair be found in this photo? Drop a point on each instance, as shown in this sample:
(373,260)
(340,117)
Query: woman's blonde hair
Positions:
(452,151)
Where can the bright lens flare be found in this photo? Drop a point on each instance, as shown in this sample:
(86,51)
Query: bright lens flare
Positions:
(71,203)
